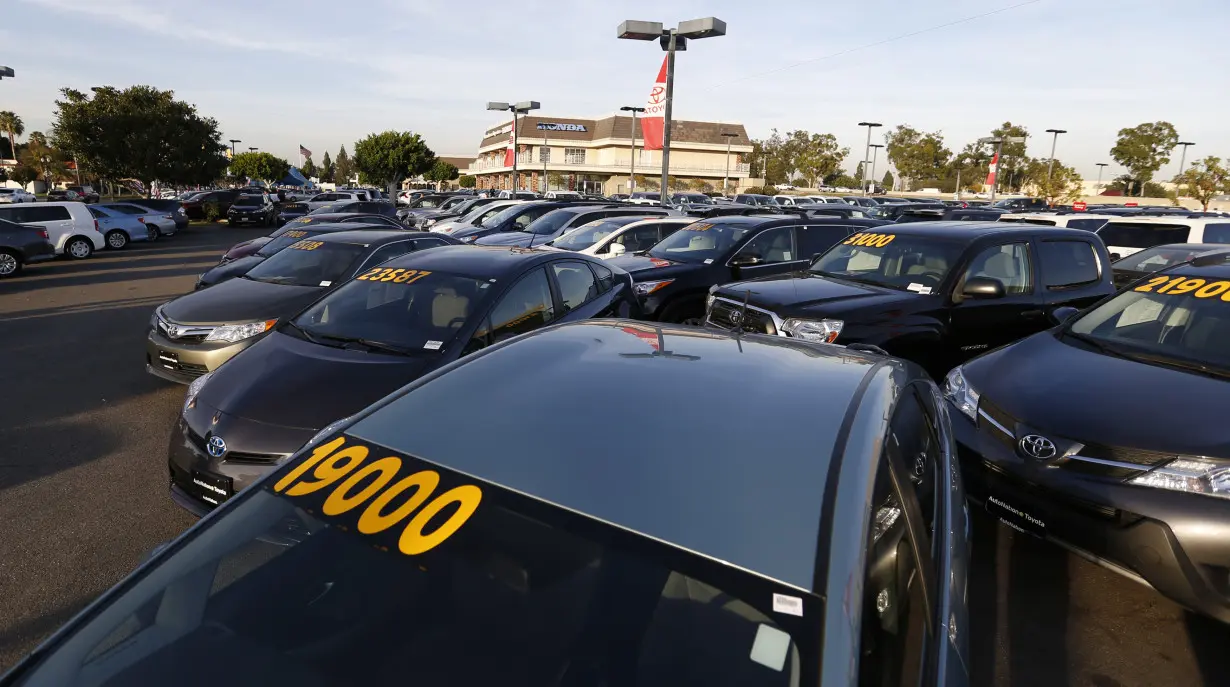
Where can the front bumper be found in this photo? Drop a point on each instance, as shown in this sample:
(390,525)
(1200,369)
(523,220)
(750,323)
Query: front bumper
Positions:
(181,362)
(1178,543)
(233,218)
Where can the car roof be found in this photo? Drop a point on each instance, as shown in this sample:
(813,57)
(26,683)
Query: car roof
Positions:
(975,229)
(369,237)
(328,216)
(714,490)
(1169,221)
(658,220)
(477,261)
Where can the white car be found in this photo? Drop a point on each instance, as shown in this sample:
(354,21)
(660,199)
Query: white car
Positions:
(1124,236)
(70,226)
(795,200)
(616,236)
(476,216)
(16,195)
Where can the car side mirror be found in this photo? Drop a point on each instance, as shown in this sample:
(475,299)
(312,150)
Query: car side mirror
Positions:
(1063,314)
(1114,257)
(745,260)
(617,249)
(983,288)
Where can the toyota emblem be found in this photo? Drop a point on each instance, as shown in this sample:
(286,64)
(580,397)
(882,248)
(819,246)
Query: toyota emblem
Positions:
(173,331)
(1038,447)
(736,317)
(216,446)
(655,96)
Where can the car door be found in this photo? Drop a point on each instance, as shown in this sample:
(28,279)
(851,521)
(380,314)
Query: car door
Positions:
(815,240)
(1071,274)
(527,305)
(577,290)
(980,324)
(772,251)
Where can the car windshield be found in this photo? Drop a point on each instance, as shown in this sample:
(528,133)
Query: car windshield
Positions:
(431,202)
(419,315)
(249,201)
(1180,320)
(499,216)
(700,242)
(308,263)
(898,261)
(285,239)
(587,235)
(1158,258)
(646,196)
(550,222)
(330,207)
(318,582)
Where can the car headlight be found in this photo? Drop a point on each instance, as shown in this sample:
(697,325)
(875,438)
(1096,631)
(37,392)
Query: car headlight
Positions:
(959,392)
(1195,474)
(467,239)
(644,288)
(195,388)
(154,317)
(239,332)
(428,222)
(824,331)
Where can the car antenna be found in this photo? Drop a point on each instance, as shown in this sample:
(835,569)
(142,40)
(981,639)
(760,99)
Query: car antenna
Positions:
(747,295)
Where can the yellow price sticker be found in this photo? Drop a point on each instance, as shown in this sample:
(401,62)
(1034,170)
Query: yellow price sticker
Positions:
(307,245)
(869,240)
(1179,286)
(295,234)
(698,227)
(338,480)
(398,275)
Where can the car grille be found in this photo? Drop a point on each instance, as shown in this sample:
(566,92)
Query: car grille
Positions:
(237,457)
(728,315)
(183,333)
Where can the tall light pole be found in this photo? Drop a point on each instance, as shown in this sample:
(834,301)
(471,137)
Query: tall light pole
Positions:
(875,152)
(866,153)
(1101,166)
(253,150)
(726,179)
(1051,163)
(632,169)
(1183,156)
(233,142)
(516,109)
(670,40)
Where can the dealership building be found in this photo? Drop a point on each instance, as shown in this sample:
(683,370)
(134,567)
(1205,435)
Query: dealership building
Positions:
(595,155)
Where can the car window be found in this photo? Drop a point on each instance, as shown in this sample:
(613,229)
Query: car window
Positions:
(1086,224)
(577,285)
(899,261)
(640,238)
(424,244)
(13,214)
(1009,264)
(771,246)
(283,241)
(390,251)
(700,242)
(1133,235)
(1217,233)
(97,212)
(1068,263)
(53,213)
(606,278)
(1157,258)
(527,306)
(308,263)
(128,209)
(524,219)
(550,222)
(815,239)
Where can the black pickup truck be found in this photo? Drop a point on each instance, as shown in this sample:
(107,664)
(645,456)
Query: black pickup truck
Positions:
(936,293)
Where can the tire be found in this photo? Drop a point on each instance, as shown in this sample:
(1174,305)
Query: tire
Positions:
(10,264)
(78,248)
(152,233)
(689,311)
(117,240)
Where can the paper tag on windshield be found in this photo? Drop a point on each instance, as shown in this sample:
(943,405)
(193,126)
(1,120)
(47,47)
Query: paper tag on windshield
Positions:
(326,283)
(771,647)
(433,345)
(709,261)
(919,288)
(790,605)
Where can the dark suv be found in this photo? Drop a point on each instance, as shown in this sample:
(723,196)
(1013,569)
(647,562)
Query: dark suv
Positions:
(85,194)
(1022,204)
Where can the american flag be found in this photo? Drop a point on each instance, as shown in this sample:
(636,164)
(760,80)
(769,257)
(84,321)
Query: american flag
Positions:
(304,151)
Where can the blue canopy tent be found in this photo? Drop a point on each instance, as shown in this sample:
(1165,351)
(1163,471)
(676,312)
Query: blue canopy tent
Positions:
(294,178)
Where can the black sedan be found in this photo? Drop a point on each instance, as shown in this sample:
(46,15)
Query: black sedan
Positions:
(1143,263)
(333,217)
(385,328)
(21,245)
(259,210)
(482,526)
(245,248)
(1107,434)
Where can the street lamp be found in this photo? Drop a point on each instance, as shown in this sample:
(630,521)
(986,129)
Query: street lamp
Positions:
(632,169)
(1183,156)
(516,108)
(866,153)
(253,150)
(1051,162)
(726,179)
(875,152)
(233,142)
(999,145)
(6,71)
(670,40)
(1101,166)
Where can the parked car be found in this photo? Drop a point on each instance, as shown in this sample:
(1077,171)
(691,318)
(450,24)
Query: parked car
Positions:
(16,195)
(556,222)
(195,333)
(22,245)
(425,218)
(936,293)
(119,229)
(519,195)
(70,227)
(171,207)
(381,330)
(864,201)
(335,217)
(367,207)
(476,217)
(1058,437)
(1150,260)
(616,236)
(756,199)
(194,207)
(254,209)
(674,277)
(645,198)
(1021,204)
(791,201)
(511,218)
(85,194)
(162,222)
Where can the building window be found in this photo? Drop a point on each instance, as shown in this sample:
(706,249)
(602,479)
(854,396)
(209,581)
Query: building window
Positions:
(574,156)
(646,156)
(524,155)
(544,154)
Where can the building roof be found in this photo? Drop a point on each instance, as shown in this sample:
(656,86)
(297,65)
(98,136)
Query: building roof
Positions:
(458,161)
(617,126)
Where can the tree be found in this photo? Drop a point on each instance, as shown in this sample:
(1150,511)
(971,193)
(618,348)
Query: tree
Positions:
(1144,148)
(326,169)
(1204,180)
(12,125)
(1012,159)
(38,137)
(817,156)
(139,133)
(1061,185)
(557,180)
(917,155)
(343,168)
(676,184)
(263,166)
(844,181)
(441,171)
(467,181)
(858,174)
(887,181)
(309,168)
(23,174)
(389,157)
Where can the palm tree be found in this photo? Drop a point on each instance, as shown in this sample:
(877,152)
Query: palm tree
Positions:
(12,125)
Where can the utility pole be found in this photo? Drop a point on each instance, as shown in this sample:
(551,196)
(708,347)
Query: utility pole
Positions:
(632,168)
(866,155)
(1098,189)
(1051,163)
(726,179)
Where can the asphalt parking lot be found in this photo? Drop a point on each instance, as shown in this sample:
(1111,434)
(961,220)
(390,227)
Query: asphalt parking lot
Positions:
(83,492)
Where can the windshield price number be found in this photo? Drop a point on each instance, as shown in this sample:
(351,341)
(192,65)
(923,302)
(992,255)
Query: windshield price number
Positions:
(698,227)
(399,275)
(355,482)
(296,234)
(307,245)
(869,240)
(1175,286)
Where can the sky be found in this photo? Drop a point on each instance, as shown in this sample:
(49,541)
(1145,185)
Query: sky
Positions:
(322,74)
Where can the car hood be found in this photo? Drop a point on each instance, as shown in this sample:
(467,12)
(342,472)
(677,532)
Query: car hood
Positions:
(513,238)
(283,380)
(240,300)
(1059,386)
(800,291)
(464,230)
(242,250)
(230,270)
(644,268)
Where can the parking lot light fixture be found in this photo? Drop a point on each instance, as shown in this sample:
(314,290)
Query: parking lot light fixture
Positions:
(1183,155)
(1101,168)
(671,40)
(866,156)
(522,107)
(7,71)
(726,179)
(233,142)
(875,153)
(1051,163)
(632,169)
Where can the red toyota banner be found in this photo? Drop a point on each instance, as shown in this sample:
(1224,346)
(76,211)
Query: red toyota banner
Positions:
(993,169)
(655,112)
(509,152)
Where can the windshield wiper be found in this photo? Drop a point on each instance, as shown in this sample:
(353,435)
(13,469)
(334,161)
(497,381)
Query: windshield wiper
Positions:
(857,280)
(372,344)
(305,333)
(1189,365)
(1102,346)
